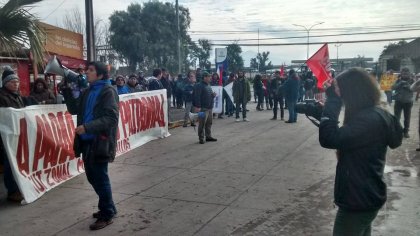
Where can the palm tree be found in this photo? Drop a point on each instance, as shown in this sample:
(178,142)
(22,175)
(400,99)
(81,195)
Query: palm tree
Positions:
(19,29)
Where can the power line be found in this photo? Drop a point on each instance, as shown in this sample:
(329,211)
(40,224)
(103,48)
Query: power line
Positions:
(317,36)
(53,11)
(296,30)
(316,43)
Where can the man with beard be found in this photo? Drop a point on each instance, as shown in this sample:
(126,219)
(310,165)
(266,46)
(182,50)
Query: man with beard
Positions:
(242,95)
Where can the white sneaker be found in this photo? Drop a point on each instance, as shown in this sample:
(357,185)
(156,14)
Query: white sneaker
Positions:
(246,120)
(237,120)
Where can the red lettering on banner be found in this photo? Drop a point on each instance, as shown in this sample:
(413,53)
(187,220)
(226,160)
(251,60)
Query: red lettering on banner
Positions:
(48,172)
(36,179)
(143,109)
(161,120)
(150,109)
(80,165)
(123,117)
(138,115)
(22,155)
(39,152)
(53,141)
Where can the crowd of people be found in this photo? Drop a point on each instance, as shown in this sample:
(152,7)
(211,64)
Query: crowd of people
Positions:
(361,142)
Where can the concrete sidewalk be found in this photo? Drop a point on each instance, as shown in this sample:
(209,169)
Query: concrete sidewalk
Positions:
(261,178)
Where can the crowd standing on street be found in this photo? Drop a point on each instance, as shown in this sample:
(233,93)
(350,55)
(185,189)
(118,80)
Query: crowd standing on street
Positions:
(97,113)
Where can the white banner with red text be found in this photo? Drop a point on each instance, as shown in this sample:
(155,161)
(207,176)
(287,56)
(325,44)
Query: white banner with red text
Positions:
(39,139)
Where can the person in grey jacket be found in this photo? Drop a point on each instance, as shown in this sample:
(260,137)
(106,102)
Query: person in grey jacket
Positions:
(404,98)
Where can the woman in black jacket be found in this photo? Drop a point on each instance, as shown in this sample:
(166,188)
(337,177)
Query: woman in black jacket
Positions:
(361,144)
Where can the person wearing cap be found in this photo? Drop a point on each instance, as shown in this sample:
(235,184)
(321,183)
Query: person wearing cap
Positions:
(120,85)
(203,97)
(241,95)
(404,98)
(10,97)
(132,84)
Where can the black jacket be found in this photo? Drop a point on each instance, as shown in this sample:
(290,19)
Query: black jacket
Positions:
(203,96)
(188,92)
(155,84)
(104,124)
(361,146)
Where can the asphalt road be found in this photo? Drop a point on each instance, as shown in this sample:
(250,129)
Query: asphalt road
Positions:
(261,178)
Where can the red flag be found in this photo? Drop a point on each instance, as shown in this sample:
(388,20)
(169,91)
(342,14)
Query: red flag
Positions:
(320,65)
(282,71)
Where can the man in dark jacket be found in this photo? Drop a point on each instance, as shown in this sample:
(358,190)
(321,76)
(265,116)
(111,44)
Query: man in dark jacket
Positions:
(10,97)
(404,98)
(259,90)
(97,123)
(166,83)
(291,93)
(188,96)
(154,82)
(241,95)
(203,102)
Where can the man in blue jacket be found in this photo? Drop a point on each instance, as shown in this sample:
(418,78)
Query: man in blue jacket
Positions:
(291,94)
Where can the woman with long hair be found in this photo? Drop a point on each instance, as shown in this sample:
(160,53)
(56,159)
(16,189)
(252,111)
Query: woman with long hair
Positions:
(361,144)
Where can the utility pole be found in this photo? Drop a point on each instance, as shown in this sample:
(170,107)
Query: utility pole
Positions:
(258,63)
(307,31)
(90,31)
(178,37)
(337,45)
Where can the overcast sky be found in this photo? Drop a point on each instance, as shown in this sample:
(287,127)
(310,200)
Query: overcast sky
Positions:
(278,15)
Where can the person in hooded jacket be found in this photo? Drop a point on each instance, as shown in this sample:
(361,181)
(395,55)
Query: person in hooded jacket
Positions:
(120,85)
(41,93)
(133,86)
(361,144)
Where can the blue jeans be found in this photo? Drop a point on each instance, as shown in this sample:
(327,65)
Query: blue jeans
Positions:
(9,180)
(291,106)
(97,175)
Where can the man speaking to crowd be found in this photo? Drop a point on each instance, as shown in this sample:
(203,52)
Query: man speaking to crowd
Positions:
(97,123)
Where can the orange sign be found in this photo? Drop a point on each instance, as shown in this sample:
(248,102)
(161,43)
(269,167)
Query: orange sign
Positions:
(63,42)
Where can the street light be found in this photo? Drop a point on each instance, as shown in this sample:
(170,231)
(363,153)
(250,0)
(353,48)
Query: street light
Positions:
(307,31)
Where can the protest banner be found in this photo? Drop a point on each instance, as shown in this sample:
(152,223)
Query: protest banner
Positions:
(39,139)
(218,99)
(229,90)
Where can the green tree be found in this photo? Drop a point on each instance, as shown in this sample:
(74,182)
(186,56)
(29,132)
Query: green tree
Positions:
(392,46)
(146,34)
(261,62)
(234,58)
(201,53)
(19,29)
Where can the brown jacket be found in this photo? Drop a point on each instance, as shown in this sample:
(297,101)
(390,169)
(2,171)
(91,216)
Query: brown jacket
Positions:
(46,95)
